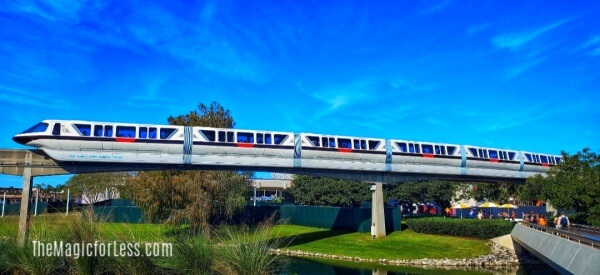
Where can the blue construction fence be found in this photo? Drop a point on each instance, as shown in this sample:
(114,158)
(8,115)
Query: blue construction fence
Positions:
(15,208)
(335,218)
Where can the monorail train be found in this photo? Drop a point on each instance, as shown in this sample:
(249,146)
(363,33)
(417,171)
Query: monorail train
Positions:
(87,141)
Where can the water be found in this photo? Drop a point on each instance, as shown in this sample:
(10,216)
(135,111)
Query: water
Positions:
(301,266)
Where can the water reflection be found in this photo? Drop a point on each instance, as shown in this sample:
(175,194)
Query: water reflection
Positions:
(301,266)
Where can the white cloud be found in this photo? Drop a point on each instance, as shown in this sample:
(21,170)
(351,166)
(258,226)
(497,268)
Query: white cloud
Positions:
(521,68)
(478,28)
(593,44)
(437,7)
(515,41)
(38,100)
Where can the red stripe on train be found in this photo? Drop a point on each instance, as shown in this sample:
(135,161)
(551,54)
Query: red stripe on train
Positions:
(345,150)
(125,139)
(495,160)
(245,145)
(428,155)
(545,164)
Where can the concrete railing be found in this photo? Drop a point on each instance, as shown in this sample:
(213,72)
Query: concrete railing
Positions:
(566,252)
(569,235)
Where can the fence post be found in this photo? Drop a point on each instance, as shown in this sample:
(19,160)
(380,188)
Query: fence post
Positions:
(37,195)
(68,198)
(3,203)
(254,196)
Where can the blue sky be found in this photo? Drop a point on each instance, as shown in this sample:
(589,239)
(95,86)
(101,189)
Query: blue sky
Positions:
(506,74)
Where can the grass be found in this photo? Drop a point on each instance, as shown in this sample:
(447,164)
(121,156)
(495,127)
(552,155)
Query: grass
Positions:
(398,245)
(53,224)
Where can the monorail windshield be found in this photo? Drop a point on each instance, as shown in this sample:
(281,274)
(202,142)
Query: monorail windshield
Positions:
(40,127)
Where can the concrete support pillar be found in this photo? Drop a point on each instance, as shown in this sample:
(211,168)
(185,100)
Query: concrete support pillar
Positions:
(24,215)
(377,212)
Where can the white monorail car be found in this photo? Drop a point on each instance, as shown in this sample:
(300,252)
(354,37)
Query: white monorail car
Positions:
(416,156)
(76,140)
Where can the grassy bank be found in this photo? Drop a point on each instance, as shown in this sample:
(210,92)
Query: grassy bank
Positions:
(398,245)
(51,225)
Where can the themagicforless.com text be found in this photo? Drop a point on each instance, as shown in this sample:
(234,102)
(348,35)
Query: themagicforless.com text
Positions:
(101,249)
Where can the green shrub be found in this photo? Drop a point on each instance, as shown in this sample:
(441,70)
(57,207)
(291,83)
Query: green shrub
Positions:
(472,228)
(18,259)
(246,251)
(192,255)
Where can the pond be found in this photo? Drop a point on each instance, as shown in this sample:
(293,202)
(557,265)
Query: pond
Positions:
(302,266)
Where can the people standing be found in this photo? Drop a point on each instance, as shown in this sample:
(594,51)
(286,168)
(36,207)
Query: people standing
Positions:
(542,221)
(557,221)
(564,222)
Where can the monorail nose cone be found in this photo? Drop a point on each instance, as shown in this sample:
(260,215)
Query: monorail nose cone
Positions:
(22,140)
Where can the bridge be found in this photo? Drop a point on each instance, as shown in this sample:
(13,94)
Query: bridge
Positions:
(573,251)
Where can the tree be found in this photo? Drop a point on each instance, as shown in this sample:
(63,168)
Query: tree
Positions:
(92,187)
(493,191)
(199,197)
(573,183)
(440,192)
(324,191)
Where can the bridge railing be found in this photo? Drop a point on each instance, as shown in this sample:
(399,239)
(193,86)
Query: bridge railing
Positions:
(569,235)
(587,228)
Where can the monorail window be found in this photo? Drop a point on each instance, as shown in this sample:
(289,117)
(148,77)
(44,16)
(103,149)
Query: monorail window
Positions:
(166,133)
(551,159)
(373,144)
(268,139)
(325,141)
(402,146)
(278,139)
(537,158)
(208,134)
(483,153)
(314,140)
(84,129)
(529,157)
(557,159)
(427,148)
(360,144)
(260,138)
(230,137)
(451,149)
(414,148)
(222,136)
(344,143)
(143,132)
(98,130)
(511,155)
(56,129)
(473,152)
(126,131)
(152,133)
(108,130)
(40,127)
(544,159)
(493,154)
(245,137)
